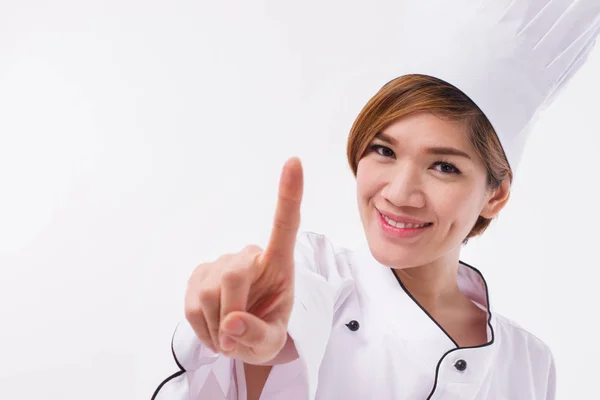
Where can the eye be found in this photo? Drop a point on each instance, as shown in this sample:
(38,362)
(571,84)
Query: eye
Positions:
(382,150)
(446,167)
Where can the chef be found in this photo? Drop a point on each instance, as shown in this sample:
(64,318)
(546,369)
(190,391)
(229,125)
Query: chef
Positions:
(434,153)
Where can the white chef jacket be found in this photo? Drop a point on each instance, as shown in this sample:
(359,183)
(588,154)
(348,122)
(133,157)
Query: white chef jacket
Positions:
(392,349)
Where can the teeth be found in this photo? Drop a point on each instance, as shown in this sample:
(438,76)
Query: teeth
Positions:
(402,225)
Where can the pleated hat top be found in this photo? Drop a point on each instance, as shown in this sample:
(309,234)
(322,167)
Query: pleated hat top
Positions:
(511,57)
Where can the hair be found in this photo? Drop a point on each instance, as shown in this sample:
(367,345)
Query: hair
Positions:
(416,93)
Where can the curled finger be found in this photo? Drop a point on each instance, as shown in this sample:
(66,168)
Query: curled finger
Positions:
(196,319)
(210,300)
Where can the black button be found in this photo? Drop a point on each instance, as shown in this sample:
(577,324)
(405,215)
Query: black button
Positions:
(353,325)
(461,365)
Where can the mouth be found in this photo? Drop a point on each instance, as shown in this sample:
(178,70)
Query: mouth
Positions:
(401,229)
(403,223)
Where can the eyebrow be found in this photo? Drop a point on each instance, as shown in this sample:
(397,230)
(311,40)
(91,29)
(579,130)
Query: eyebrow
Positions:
(450,151)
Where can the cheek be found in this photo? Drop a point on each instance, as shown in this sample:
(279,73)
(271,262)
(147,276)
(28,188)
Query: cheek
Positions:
(457,205)
(366,186)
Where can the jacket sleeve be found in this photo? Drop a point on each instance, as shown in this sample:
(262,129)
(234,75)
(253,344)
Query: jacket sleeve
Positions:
(206,375)
(551,388)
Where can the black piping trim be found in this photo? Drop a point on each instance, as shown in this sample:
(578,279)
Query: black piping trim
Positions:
(421,307)
(487,297)
(175,375)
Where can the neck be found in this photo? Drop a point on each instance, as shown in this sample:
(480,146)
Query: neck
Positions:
(434,284)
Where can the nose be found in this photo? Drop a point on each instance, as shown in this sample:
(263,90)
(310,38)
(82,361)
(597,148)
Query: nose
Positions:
(404,188)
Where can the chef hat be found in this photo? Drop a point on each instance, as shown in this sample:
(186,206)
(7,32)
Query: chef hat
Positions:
(510,57)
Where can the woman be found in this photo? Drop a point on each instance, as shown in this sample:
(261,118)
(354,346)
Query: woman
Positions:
(437,167)
(433,155)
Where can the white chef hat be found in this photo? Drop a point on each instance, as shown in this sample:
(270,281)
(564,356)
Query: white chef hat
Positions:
(510,57)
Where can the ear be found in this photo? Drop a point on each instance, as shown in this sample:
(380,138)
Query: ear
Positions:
(496,200)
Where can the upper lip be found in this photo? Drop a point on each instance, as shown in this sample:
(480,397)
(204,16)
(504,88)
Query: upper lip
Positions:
(404,220)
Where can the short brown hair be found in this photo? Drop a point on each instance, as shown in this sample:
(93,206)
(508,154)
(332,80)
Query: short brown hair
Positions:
(410,94)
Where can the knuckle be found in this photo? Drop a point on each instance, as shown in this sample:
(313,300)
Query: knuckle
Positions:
(193,311)
(199,267)
(251,249)
(199,274)
(208,295)
(196,274)
(224,258)
(234,277)
(196,284)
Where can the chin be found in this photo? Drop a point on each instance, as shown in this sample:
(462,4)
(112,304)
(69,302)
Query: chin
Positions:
(390,255)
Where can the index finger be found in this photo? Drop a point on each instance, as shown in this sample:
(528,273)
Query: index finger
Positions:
(287,214)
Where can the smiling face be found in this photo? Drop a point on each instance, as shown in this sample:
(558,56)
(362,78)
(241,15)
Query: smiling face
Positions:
(424,171)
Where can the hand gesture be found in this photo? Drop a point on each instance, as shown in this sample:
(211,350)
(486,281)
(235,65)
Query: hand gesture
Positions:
(241,303)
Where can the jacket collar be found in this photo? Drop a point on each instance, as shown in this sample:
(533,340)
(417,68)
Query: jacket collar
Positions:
(429,345)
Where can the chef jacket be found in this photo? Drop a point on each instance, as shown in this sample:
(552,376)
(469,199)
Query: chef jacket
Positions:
(361,335)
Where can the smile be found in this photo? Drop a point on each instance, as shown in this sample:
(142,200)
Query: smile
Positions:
(401,230)
(403,225)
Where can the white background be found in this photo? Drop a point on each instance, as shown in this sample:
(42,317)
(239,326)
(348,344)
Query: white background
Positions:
(140,138)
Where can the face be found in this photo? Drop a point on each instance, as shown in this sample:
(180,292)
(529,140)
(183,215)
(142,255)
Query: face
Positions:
(420,190)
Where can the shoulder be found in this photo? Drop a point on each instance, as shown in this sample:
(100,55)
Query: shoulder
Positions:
(524,360)
(317,242)
(530,359)
(521,343)
(316,252)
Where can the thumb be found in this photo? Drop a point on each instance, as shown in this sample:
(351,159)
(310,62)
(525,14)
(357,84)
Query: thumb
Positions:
(253,332)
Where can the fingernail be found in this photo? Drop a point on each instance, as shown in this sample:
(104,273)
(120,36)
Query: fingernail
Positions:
(235,327)
(227,343)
